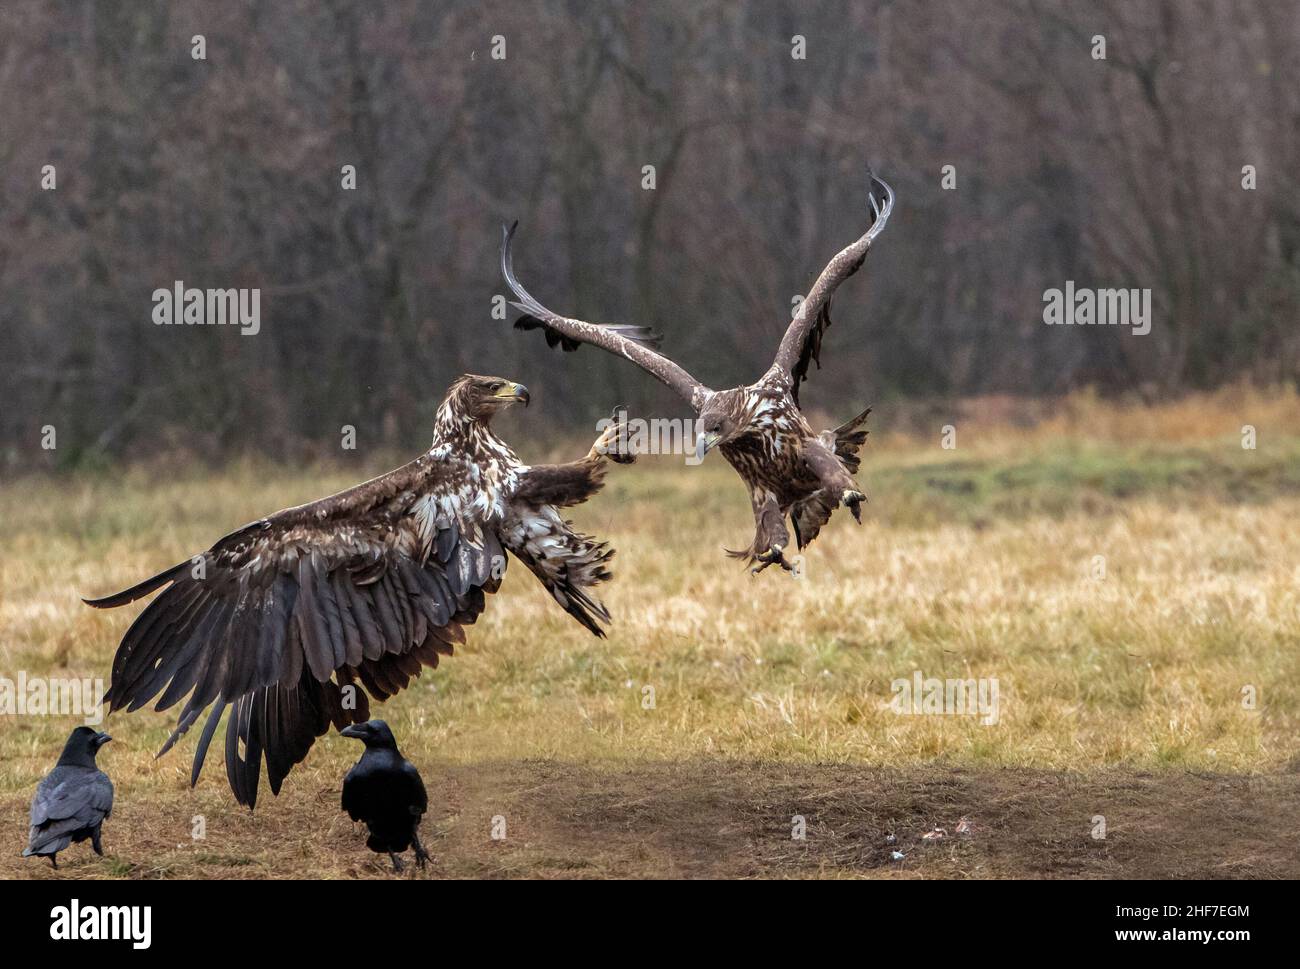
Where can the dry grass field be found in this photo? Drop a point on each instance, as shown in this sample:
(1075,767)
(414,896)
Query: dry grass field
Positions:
(1126,694)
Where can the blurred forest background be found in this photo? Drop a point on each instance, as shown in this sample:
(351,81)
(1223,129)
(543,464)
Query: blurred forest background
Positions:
(1123,172)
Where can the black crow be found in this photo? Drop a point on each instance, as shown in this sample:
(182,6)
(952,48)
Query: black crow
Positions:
(385,791)
(72,800)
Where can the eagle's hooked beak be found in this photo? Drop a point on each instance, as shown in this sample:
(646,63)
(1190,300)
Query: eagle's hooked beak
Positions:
(707,442)
(513,392)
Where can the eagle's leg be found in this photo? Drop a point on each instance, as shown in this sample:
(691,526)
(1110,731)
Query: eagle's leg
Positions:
(837,481)
(612,442)
(576,481)
(773,556)
(770,537)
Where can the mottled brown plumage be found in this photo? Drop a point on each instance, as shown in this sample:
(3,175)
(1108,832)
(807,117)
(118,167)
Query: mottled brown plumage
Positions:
(295,621)
(788,469)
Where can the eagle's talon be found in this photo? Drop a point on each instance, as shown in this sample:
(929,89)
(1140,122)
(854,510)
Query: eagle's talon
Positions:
(607,445)
(854,500)
(773,556)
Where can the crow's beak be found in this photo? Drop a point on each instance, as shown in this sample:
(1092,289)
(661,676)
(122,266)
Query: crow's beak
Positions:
(353,730)
(101,739)
(514,392)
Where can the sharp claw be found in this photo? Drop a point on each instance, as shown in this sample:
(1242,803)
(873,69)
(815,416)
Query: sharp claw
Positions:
(854,500)
(773,556)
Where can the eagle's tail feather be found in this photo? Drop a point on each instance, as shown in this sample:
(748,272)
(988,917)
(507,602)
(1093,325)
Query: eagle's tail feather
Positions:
(564,560)
(848,440)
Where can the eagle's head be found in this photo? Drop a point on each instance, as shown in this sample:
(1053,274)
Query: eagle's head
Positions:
(722,418)
(475,398)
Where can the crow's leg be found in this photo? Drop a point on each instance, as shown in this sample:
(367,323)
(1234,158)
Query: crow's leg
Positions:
(54,862)
(397,862)
(421,856)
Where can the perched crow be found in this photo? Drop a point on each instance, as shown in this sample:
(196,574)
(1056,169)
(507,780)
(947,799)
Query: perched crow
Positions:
(385,791)
(72,800)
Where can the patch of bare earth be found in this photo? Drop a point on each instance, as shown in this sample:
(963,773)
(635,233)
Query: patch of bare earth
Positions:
(718,818)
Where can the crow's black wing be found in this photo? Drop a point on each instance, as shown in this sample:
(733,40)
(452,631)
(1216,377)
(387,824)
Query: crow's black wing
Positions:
(417,796)
(68,800)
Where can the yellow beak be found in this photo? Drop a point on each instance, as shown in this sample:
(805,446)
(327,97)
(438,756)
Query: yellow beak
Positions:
(513,392)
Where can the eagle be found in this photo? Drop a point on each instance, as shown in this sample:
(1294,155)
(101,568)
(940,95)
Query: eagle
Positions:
(759,428)
(295,621)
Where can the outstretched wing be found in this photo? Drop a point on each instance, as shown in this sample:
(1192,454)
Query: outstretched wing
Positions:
(635,343)
(292,620)
(802,343)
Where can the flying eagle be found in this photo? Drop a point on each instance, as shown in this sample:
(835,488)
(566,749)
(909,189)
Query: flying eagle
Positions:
(292,620)
(759,428)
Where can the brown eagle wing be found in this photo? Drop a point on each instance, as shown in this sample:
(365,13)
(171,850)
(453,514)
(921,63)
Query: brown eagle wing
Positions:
(292,620)
(635,343)
(802,343)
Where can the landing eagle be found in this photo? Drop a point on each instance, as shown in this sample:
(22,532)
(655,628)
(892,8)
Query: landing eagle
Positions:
(347,597)
(759,428)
